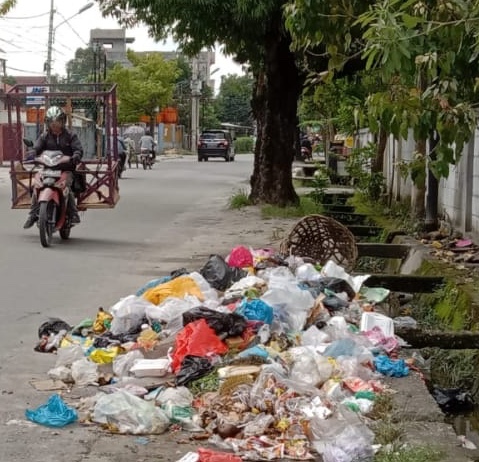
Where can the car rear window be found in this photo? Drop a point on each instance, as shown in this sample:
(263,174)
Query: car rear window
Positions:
(213,135)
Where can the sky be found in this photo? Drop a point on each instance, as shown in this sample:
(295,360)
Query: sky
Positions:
(24,37)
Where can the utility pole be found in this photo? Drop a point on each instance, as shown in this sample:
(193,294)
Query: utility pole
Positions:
(48,64)
(195,101)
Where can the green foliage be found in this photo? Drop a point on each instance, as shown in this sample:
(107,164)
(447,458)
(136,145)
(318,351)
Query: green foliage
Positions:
(6,6)
(409,454)
(239,200)
(368,183)
(233,101)
(145,87)
(244,144)
(307,206)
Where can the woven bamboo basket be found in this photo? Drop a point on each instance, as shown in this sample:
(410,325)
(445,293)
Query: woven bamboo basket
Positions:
(321,238)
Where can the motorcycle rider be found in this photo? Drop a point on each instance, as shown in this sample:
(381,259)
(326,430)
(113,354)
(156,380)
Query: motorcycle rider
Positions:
(147,142)
(57,138)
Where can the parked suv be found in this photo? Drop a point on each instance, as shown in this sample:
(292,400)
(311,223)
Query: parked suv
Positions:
(216,143)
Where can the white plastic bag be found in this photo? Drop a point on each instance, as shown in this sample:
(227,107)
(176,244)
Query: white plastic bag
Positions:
(66,356)
(307,272)
(123,363)
(84,372)
(128,314)
(130,414)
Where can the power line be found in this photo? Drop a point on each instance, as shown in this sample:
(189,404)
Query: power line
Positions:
(27,17)
(24,70)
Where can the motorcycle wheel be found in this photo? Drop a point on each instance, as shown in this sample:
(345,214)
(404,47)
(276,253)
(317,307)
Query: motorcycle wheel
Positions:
(65,232)
(144,163)
(46,222)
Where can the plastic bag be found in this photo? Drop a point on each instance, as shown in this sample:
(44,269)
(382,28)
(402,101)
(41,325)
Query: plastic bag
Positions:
(391,367)
(192,368)
(333,270)
(62,373)
(128,314)
(66,356)
(309,367)
(151,284)
(178,287)
(55,413)
(127,413)
(196,339)
(53,326)
(240,257)
(453,400)
(219,274)
(84,372)
(224,324)
(255,310)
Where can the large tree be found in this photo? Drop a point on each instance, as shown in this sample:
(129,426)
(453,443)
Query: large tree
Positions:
(253,32)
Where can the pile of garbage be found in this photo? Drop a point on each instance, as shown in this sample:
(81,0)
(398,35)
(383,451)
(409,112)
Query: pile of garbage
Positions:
(267,357)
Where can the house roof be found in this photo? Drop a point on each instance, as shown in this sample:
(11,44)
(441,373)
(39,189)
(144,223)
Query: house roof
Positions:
(33,80)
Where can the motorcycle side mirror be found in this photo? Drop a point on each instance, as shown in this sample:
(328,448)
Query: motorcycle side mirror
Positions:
(28,142)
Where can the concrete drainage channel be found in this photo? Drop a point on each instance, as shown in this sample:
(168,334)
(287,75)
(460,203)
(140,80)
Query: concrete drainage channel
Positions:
(414,410)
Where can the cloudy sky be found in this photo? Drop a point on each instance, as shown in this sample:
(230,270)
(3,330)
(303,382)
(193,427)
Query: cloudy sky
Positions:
(24,37)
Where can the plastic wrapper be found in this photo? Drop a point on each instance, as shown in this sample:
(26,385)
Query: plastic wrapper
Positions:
(208,455)
(84,372)
(224,324)
(219,274)
(126,413)
(55,413)
(128,314)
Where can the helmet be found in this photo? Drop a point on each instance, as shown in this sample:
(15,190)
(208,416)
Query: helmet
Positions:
(55,114)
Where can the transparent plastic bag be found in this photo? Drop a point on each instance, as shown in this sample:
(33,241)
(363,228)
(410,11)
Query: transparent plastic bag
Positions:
(128,314)
(66,356)
(123,363)
(309,367)
(84,372)
(129,414)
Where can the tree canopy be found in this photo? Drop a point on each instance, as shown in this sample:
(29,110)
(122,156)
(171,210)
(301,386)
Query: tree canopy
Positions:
(233,102)
(144,88)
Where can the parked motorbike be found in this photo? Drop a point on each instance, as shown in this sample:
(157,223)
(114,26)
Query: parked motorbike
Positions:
(306,153)
(52,192)
(146,158)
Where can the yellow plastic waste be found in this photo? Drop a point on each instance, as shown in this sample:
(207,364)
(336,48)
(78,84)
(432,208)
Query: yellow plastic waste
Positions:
(178,287)
(101,321)
(105,356)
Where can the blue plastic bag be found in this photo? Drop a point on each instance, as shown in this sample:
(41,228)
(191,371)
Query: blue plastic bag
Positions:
(55,413)
(256,310)
(390,367)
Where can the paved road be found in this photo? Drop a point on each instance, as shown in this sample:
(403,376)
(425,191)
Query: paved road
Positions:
(110,255)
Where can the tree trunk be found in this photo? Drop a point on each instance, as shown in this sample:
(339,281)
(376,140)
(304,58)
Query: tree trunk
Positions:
(378,163)
(419,187)
(431,221)
(274,104)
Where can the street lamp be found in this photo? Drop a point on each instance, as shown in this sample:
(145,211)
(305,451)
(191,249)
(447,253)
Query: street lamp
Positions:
(51,30)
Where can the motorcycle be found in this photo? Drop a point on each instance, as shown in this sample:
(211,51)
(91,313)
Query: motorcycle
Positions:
(146,158)
(52,192)
(306,154)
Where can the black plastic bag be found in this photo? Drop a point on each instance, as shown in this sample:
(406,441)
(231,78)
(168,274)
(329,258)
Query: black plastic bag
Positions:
(453,400)
(224,324)
(179,272)
(192,368)
(219,274)
(53,326)
(336,285)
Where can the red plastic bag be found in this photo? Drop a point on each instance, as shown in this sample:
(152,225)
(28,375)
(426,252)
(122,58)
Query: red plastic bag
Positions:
(240,257)
(208,455)
(196,339)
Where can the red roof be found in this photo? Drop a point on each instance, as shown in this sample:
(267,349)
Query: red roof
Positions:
(31,80)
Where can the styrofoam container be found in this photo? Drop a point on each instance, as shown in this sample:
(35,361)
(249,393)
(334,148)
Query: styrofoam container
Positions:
(372,319)
(150,367)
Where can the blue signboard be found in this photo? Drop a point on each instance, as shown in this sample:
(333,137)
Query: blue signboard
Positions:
(36,99)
